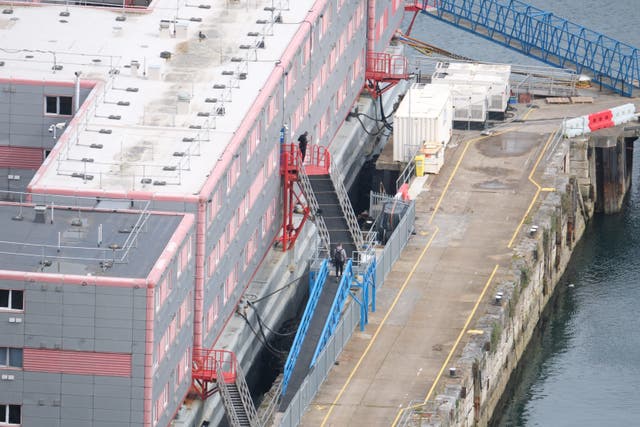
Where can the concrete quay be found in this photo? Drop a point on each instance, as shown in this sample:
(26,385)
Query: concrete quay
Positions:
(469,220)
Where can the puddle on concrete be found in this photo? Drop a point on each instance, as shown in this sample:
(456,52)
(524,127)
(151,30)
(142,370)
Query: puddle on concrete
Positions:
(493,171)
(494,184)
(510,144)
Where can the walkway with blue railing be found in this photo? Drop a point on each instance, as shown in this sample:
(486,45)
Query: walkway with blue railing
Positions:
(544,36)
(327,299)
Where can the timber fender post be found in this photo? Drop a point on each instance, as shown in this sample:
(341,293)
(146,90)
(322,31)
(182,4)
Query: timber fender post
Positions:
(588,174)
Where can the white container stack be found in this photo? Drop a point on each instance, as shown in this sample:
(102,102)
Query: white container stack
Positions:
(424,117)
(493,77)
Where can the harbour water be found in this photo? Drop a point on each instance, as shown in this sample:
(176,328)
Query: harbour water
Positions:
(582,367)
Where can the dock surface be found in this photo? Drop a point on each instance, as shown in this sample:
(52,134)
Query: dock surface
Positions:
(467,219)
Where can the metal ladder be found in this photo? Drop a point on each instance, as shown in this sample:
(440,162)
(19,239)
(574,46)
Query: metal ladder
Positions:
(237,402)
(318,220)
(347,208)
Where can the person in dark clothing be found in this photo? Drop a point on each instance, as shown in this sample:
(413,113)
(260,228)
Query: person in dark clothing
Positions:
(339,258)
(302,143)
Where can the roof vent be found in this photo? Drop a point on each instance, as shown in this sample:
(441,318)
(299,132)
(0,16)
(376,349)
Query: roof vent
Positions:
(40,213)
(183,103)
(135,67)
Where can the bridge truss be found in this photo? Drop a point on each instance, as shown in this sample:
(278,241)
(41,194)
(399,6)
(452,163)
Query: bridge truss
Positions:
(543,36)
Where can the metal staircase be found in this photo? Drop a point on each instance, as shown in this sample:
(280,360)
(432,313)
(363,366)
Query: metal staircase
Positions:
(218,370)
(347,208)
(237,402)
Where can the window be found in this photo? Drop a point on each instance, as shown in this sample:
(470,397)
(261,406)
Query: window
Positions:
(59,105)
(10,357)
(10,414)
(11,299)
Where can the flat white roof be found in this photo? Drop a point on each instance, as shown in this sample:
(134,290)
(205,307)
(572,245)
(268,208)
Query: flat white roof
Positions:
(155,138)
(426,101)
(474,67)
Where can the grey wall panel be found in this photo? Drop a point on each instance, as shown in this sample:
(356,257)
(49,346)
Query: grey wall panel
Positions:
(71,422)
(77,385)
(11,391)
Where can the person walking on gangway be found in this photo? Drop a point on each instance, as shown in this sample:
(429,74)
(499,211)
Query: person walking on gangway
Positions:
(339,258)
(302,143)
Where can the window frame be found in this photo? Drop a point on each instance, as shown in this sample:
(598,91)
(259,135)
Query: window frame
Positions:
(10,300)
(8,365)
(57,112)
(5,419)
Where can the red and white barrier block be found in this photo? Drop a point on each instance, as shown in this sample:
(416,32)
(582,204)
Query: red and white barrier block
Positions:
(601,120)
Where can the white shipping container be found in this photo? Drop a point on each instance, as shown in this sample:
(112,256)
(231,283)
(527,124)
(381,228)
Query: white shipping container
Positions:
(495,76)
(470,103)
(423,117)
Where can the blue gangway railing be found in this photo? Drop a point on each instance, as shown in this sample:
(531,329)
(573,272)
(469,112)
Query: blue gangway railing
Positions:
(367,285)
(318,280)
(544,36)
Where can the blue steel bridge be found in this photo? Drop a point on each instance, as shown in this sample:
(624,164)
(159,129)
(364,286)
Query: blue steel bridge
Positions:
(542,35)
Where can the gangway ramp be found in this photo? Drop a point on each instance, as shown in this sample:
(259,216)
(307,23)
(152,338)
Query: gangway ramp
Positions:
(544,36)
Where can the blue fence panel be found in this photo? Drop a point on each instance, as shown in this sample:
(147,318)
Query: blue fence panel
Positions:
(316,290)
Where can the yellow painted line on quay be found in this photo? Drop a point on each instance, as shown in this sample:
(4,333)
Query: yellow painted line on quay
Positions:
(453,349)
(539,189)
(382,323)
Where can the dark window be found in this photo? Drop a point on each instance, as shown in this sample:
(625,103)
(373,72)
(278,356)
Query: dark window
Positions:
(10,357)
(10,414)
(59,105)
(52,105)
(65,106)
(11,299)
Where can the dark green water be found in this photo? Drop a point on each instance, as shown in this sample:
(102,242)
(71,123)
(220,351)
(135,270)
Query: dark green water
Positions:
(583,367)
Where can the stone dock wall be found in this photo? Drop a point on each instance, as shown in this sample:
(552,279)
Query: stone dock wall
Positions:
(589,175)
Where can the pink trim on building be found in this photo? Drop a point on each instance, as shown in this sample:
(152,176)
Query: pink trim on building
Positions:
(72,279)
(148,359)
(77,362)
(85,84)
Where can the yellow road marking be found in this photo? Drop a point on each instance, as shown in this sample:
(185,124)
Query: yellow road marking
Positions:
(538,190)
(453,349)
(375,335)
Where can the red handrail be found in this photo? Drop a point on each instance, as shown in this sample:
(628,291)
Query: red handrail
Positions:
(214,365)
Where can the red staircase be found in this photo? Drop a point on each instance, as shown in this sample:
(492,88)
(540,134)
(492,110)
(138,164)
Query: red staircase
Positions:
(384,68)
(210,366)
(294,173)
(221,368)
